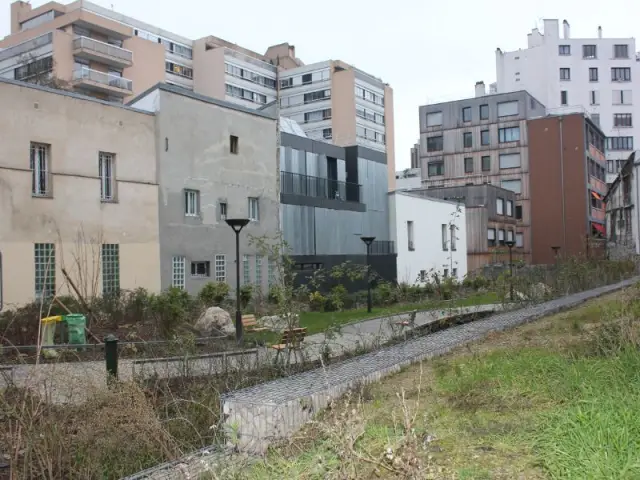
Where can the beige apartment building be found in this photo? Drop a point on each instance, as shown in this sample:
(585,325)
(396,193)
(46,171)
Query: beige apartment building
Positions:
(62,204)
(84,47)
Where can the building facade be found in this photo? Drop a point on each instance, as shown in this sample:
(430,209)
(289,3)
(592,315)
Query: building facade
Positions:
(216,160)
(621,212)
(481,140)
(331,196)
(430,235)
(489,222)
(84,47)
(597,75)
(567,186)
(78,190)
(409,179)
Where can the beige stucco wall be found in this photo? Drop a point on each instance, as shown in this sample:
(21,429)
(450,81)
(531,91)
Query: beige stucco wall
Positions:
(208,70)
(343,107)
(77,130)
(148,64)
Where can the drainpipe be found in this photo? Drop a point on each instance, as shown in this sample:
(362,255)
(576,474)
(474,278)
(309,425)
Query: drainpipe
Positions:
(564,222)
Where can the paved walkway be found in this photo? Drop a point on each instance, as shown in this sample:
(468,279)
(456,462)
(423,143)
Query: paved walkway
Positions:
(73,382)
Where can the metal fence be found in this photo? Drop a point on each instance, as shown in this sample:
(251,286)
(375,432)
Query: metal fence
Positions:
(308,186)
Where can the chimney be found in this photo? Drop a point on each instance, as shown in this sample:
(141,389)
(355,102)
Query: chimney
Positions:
(480,90)
(566,28)
(599,32)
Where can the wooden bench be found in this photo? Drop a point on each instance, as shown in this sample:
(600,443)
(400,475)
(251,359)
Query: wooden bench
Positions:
(250,324)
(291,341)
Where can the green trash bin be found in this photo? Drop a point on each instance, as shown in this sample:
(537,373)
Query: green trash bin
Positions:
(76,325)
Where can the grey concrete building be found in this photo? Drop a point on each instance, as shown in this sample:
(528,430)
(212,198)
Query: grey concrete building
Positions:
(215,160)
(481,140)
(331,196)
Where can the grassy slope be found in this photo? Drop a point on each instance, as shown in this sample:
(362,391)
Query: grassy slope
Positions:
(535,402)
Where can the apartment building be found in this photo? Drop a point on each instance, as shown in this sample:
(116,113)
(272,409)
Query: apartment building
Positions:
(597,75)
(489,222)
(78,191)
(331,196)
(621,203)
(567,186)
(100,52)
(217,162)
(482,140)
(430,236)
(408,179)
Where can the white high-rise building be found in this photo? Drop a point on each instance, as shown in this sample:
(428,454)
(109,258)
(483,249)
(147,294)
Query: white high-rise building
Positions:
(599,76)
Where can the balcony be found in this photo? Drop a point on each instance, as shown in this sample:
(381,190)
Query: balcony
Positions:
(91,49)
(96,81)
(318,187)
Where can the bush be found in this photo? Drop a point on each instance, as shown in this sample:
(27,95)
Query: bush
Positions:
(385,294)
(316,301)
(214,293)
(171,308)
(246,293)
(337,298)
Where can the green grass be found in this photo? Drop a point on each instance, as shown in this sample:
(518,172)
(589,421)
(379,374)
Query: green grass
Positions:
(558,399)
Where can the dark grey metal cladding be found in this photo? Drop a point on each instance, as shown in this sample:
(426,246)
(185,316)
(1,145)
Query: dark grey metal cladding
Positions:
(319,202)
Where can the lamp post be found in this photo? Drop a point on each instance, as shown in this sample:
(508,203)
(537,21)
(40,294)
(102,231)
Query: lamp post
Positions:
(368,241)
(510,245)
(237,224)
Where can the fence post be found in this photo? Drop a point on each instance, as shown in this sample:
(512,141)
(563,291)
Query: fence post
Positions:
(111,357)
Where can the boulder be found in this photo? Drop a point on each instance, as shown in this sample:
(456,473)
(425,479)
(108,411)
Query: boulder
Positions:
(215,320)
(278,323)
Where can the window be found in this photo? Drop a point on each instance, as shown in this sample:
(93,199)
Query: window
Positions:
(486,164)
(596,118)
(484,137)
(246,270)
(565,74)
(260,98)
(222,209)
(589,51)
(452,230)
(445,232)
(513,185)
(435,169)
(491,237)
(518,212)
(307,79)
(622,120)
(622,97)
(317,96)
(254,209)
(500,206)
(221,268)
(468,165)
(110,268)
(271,271)
(509,208)
(327,133)
(45,269)
(233,144)
(191,203)
(468,139)
(619,143)
(36,71)
(317,115)
(564,97)
(510,134)
(509,160)
(454,273)
(519,240)
(434,144)
(466,114)
(178,69)
(594,97)
(201,269)
(445,273)
(105,169)
(178,272)
(410,245)
(39,165)
(621,51)
(434,119)
(593,74)
(484,112)
(564,49)
(507,109)
(423,275)
(258,270)
(501,237)
(621,74)
(509,235)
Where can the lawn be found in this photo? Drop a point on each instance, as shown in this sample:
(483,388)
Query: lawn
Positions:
(316,322)
(558,398)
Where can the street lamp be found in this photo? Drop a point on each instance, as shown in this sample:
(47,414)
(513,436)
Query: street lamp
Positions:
(238,224)
(510,245)
(368,241)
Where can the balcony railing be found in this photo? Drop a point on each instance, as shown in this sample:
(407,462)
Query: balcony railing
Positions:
(383,247)
(102,48)
(106,79)
(296,184)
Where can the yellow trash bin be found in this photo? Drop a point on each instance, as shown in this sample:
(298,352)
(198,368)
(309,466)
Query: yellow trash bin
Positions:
(47,334)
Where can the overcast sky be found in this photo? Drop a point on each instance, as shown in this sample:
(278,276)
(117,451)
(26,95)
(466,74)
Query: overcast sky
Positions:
(427,51)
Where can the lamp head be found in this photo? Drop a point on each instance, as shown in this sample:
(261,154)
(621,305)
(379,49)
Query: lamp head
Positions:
(368,240)
(237,223)
(510,244)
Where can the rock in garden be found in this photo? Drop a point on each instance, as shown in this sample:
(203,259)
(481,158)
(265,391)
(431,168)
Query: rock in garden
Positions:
(215,320)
